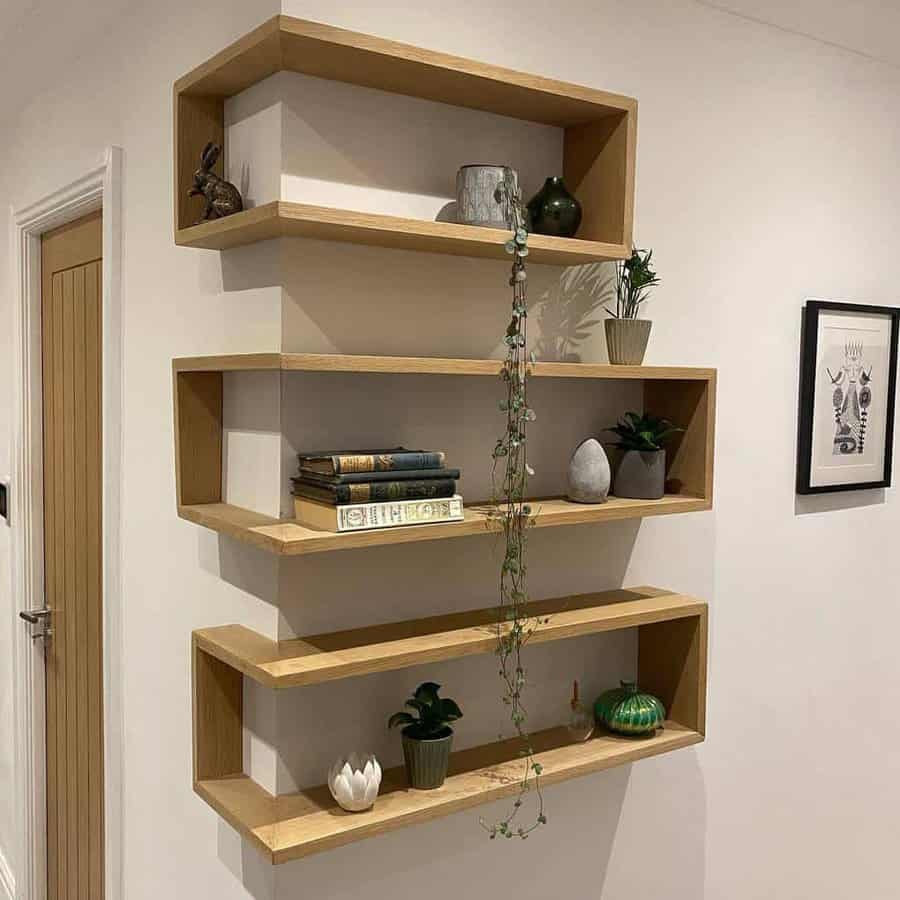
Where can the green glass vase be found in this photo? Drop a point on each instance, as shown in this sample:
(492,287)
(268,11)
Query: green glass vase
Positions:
(629,710)
(554,211)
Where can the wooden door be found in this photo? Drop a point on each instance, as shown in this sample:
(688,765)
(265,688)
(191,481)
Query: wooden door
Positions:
(71,344)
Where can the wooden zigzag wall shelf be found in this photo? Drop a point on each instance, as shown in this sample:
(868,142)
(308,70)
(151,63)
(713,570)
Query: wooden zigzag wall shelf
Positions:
(671,663)
(599,140)
(682,394)
(599,143)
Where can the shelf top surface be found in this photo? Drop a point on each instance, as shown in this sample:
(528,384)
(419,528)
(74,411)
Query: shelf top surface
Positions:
(286,43)
(361,651)
(427,365)
(296,825)
(290,537)
(281,218)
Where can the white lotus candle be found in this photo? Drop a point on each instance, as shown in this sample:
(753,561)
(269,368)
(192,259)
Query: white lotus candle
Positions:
(354,781)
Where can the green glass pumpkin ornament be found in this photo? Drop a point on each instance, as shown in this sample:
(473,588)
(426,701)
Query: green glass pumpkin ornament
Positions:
(629,710)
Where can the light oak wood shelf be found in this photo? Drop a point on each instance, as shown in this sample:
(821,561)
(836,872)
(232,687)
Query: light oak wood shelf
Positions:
(671,663)
(283,219)
(428,365)
(292,538)
(398,645)
(684,395)
(599,131)
(297,825)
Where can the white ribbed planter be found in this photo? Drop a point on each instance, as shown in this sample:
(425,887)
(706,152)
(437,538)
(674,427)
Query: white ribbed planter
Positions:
(626,340)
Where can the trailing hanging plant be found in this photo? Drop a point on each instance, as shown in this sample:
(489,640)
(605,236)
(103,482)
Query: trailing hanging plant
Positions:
(634,279)
(513,515)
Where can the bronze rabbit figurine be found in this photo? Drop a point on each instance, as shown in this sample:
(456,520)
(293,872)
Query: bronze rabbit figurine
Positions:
(222,197)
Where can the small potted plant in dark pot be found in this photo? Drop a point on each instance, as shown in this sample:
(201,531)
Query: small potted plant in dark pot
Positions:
(427,735)
(626,334)
(641,474)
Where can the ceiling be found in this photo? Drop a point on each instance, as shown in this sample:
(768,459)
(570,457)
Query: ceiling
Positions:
(62,28)
(871,27)
(59,30)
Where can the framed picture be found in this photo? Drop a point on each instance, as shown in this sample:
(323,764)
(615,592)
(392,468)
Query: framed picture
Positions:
(848,379)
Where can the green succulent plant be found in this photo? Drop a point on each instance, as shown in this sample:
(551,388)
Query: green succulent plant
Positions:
(433,714)
(645,433)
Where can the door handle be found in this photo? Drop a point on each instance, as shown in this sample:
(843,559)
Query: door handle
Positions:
(34,616)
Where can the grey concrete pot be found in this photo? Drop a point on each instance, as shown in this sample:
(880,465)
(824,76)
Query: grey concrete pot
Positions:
(479,200)
(626,340)
(426,760)
(641,475)
(589,473)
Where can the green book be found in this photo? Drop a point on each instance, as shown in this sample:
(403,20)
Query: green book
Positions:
(376,491)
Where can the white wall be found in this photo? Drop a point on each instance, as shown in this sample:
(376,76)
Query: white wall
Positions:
(766,174)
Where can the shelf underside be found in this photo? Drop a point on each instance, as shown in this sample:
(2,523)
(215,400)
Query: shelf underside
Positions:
(284,219)
(429,365)
(296,825)
(379,648)
(289,537)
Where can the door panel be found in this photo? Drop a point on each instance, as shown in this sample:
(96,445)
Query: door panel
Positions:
(71,343)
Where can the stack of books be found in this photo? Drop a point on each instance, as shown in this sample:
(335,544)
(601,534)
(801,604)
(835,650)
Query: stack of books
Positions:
(362,489)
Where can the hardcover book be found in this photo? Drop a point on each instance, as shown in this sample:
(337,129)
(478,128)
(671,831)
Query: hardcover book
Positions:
(310,477)
(377,491)
(340,462)
(362,516)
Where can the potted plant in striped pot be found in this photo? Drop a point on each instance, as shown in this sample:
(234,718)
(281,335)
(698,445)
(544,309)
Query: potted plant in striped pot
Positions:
(626,334)
(427,735)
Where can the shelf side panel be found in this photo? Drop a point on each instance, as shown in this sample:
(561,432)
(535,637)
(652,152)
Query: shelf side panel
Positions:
(598,165)
(672,666)
(689,454)
(198,437)
(198,120)
(218,717)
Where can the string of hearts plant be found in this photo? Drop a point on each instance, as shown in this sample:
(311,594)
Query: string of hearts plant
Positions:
(512,515)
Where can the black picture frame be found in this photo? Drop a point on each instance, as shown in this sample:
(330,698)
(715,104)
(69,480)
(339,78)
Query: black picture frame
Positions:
(808,359)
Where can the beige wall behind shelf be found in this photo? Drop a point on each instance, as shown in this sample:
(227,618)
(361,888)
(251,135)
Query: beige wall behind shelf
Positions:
(766,172)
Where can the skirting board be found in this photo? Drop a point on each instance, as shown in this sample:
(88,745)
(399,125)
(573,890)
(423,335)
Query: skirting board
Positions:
(7,882)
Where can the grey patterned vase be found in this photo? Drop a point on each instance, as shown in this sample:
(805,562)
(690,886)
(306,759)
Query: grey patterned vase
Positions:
(626,340)
(427,760)
(480,198)
(641,475)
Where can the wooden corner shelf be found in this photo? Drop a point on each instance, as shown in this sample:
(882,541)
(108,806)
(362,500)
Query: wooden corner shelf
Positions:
(684,395)
(288,537)
(297,825)
(283,219)
(379,648)
(599,141)
(672,651)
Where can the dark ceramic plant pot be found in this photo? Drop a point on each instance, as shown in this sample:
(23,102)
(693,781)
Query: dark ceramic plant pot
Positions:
(641,475)
(426,759)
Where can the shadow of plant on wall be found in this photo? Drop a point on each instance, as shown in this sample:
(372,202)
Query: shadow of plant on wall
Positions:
(571,309)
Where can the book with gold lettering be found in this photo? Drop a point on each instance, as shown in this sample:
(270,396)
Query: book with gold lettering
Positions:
(363,516)
(340,462)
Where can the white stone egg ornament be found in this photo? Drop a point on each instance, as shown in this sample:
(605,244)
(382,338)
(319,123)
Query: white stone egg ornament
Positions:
(354,781)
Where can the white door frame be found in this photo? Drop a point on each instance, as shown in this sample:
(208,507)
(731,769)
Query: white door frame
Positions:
(99,187)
